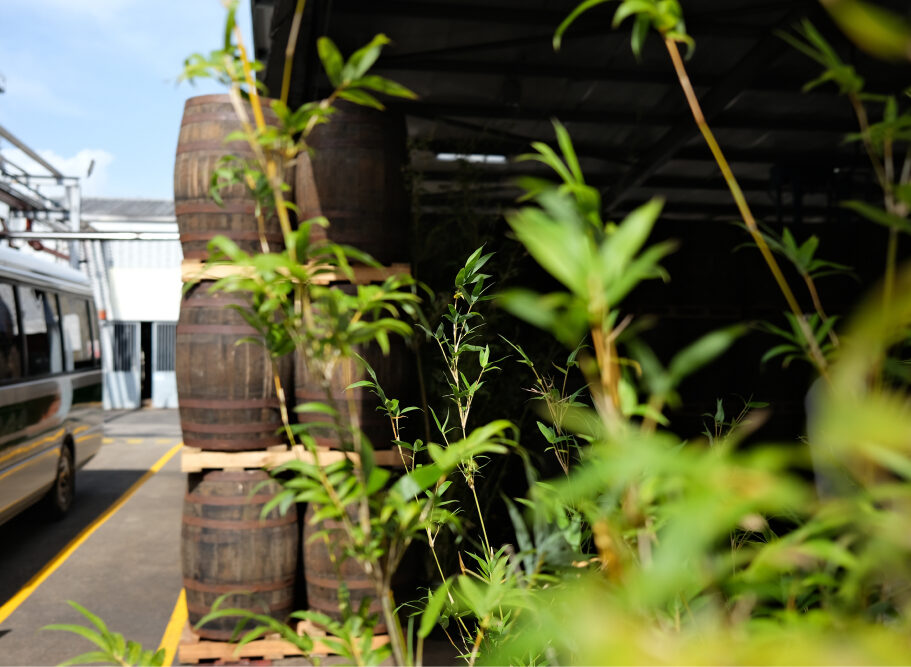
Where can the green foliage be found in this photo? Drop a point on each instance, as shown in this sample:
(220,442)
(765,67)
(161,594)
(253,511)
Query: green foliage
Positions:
(795,346)
(664,16)
(598,263)
(650,548)
(801,255)
(879,31)
(812,44)
(112,647)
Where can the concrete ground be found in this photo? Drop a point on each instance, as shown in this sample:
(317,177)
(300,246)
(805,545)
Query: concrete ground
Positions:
(127,571)
(117,553)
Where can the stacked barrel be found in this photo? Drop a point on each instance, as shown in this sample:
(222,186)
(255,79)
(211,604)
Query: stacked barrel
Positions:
(227,394)
(227,391)
(354,177)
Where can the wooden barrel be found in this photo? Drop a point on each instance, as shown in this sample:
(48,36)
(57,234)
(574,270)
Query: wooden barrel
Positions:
(324,569)
(395,374)
(207,120)
(354,177)
(226,391)
(226,547)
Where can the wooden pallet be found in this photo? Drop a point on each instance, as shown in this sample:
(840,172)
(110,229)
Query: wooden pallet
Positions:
(197,460)
(193,650)
(192,270)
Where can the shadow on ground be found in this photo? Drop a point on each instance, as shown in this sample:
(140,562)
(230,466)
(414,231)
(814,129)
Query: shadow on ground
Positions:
(31,540)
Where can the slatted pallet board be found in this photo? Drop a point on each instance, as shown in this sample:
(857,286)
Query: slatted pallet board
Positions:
(193,650)
(193,270)
(197,460)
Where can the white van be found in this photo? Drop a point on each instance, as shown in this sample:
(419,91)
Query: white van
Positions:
(50,382)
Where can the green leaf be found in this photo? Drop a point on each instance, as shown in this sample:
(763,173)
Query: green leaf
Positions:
(332,60)
(879,216)
(434,607)
(569,153)
(628,8)
(362,98)
(554,238)
(569,20)
(422,477)
(82,631)
(619,249)
(703,351)
(639,34)
(385,86)
(362,59)
(89,658)
(883,33)
(547,155)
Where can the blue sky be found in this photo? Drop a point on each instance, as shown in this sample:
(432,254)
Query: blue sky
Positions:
(96,79)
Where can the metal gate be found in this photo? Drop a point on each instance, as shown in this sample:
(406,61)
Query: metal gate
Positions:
(164,353)
(122,355)
(128,352)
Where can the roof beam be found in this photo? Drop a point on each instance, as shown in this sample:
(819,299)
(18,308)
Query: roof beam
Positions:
(800,123)
(697,23)
(713,103)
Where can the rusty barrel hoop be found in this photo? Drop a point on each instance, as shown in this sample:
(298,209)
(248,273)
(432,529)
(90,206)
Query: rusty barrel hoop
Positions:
(395,373)
(354,177)
(227,548)
(207,120)
(226,391)
(322,576)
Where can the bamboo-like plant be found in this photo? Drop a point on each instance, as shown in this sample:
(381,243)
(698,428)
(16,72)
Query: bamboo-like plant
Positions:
(666,18)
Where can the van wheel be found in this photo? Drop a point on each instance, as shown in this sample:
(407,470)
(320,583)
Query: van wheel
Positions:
(59,498)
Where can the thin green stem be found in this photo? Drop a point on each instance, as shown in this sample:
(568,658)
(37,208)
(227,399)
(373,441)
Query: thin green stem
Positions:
(477,504)
(744,208)
(817,304)
(290,48)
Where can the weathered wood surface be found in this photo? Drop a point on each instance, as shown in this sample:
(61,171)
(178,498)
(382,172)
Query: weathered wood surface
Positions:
(227,546)
(226,391)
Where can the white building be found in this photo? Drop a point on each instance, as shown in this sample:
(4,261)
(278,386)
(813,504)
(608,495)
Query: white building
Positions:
(138,295)
(136,282)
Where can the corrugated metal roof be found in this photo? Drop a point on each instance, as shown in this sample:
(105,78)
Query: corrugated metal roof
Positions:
(133,209)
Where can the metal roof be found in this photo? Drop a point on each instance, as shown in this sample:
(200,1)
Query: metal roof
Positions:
(489,82)
(127,209)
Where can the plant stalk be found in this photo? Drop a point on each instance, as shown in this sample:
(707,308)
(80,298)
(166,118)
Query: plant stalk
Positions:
(290,48)
(743,207)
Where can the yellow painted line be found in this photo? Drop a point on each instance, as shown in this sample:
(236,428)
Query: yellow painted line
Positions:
(174,630)
(164,441)
(134,441)
(13,603)
(107,441)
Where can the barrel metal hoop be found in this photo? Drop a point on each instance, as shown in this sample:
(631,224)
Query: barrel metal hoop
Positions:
(232,445)
(202,587)
(316,603)
(202,610)
(211,302)
(214,145)
(243,207)
(333,583)
(227,429)
(229,403)
(228,501)
(251,524)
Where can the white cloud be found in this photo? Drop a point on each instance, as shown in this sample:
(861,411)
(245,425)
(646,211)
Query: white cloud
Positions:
(75,165)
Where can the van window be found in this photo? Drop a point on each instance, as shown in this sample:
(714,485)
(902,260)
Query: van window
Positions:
(10,344)
(77,332)
(41,327)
